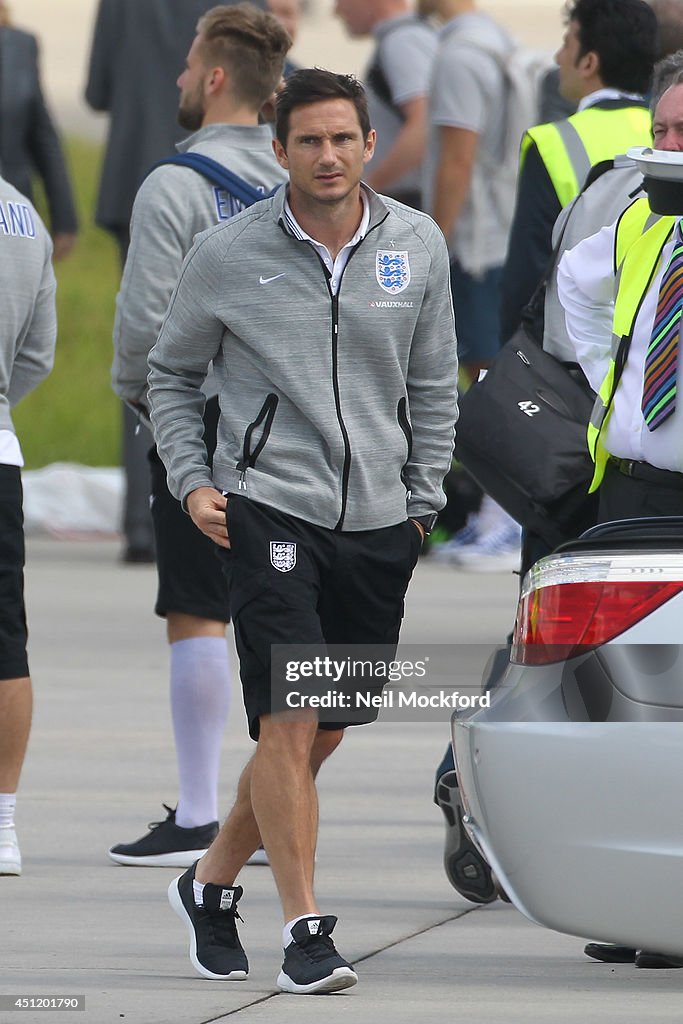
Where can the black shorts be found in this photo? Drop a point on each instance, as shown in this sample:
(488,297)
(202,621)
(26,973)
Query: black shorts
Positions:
(13,633)
(296,583)
(188,567)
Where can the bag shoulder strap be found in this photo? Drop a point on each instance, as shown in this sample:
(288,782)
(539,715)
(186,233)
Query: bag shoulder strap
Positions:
(218,174)
(375,75)
(532,309)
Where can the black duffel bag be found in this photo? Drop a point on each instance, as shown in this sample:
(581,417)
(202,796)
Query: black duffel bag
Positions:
(521,433)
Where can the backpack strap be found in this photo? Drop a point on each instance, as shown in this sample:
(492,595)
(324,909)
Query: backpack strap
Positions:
(219,175)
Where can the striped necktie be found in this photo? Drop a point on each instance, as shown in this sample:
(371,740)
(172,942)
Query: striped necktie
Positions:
(659,380)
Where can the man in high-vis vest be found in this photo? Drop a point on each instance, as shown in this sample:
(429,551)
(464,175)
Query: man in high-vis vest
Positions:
(605,65)
(622,290)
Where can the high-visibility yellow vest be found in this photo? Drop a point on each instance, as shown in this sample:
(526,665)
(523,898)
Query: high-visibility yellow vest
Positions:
(640,238)
(571,147)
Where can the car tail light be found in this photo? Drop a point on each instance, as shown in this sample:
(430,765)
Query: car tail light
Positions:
(561,620)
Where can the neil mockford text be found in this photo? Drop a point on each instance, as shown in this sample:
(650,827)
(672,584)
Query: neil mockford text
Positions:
(326,684)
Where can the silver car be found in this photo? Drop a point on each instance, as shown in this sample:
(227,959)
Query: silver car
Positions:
(572,780)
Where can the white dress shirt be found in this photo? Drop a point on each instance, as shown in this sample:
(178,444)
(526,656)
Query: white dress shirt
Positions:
(586,287)
(336,266)
(10,449)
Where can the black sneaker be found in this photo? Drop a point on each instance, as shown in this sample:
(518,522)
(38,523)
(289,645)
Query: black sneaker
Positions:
(167,845)
(312,964)
(215,949)
(466,869)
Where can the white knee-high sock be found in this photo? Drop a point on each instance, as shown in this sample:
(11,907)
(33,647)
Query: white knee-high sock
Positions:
(200,700)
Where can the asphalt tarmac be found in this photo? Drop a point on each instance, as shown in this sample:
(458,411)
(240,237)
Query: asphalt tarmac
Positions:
(101,762)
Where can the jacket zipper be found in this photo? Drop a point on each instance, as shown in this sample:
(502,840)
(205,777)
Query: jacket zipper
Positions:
(346,469)
(248,460)
(346,472)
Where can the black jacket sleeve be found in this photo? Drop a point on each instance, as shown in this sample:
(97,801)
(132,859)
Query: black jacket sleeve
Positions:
(47,157)
(106,37)
(530,246)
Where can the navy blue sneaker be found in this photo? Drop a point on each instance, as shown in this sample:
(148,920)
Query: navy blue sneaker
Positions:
(312,964)
(215,949)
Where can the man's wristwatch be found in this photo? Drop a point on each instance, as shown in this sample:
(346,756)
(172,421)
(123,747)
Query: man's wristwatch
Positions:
(427,522)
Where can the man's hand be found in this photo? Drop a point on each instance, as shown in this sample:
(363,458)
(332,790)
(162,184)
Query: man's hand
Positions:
(62,244)
(207,507)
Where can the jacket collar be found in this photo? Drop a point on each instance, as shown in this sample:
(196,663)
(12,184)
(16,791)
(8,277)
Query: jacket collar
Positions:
(379,211)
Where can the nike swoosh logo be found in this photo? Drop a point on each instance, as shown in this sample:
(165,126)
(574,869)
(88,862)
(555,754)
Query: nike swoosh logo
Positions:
(267,280)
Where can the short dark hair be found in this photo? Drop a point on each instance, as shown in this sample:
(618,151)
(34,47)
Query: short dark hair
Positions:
(624,35)
(311,85)
(248,42)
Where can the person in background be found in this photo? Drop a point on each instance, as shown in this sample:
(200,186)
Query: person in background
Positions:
(396,82)
(288,13)
(233,65)
(28,332)
(29,141)
(605,66)
(467,120)
(136,51)
(626,281)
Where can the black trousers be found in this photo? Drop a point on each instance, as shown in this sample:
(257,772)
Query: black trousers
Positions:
(627,497)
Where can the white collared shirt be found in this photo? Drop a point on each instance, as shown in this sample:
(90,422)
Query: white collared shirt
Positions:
(335,267)
(608,94)
(10,449)
(586,284)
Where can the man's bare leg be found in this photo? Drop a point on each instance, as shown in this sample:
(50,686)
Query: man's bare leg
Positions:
(241,835)
(16,705)
(16,708)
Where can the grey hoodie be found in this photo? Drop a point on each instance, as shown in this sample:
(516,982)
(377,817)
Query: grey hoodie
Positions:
(337,410)
(29,322)
(172,206)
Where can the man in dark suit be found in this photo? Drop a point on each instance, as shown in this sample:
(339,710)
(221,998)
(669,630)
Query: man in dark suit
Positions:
(29,142)
(138,51)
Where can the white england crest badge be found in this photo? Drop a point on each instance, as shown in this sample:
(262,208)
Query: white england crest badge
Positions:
(392,270)
(282,555)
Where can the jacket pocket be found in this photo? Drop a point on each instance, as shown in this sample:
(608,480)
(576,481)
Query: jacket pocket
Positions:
(265,419)
(404,424)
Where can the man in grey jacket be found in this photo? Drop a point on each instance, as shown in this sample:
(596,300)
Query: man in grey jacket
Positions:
(27,341)
(326,312)
(233,66)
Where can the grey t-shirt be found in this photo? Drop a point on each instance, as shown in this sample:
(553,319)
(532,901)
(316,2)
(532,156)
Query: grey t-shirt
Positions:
(468,90)
(399,71)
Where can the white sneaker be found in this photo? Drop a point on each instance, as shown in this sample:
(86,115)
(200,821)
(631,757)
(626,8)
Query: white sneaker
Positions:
(449,550)
(10,857)
(259,857)
(498,551)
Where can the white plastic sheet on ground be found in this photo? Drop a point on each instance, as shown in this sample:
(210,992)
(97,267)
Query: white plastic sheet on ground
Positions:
(66,499)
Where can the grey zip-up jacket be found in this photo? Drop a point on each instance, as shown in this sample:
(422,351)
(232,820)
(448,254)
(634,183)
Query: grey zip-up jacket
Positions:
(28,329)
(338,410)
